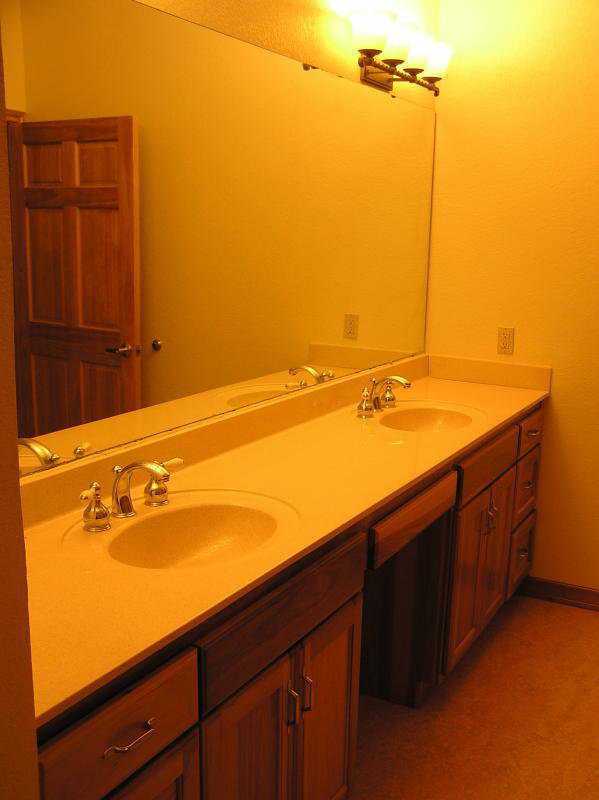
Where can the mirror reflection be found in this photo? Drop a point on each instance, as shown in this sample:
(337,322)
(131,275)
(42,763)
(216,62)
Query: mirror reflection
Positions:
(201,226)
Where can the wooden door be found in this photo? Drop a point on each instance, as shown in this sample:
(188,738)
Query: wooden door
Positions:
(494,549)
(329,685)
(175,775)
(463,624)
(246,744)
(75,228)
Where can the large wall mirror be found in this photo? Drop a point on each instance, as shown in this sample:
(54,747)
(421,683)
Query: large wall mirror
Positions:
(192,217)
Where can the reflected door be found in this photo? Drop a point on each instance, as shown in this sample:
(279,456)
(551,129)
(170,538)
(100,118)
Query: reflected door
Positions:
(74,186)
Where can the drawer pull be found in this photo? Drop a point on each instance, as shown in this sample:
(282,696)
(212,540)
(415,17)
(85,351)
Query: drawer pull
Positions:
(294,706)
(528,485)
(308,693)
(150,725)
(523,553)
(534,433)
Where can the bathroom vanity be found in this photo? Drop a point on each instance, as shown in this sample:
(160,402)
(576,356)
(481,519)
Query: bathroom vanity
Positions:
(256,694)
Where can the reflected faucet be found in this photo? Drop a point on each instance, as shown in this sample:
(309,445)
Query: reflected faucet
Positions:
(319,377)
(372,399)
(45,456)
(155,491)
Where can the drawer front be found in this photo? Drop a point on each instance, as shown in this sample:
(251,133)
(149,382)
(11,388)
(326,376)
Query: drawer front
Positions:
(395,531)
(240,648)
(96,755)
(488,463)
(527,473)
(520,554)
(531,431)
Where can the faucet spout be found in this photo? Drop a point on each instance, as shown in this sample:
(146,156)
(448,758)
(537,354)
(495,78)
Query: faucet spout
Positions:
(45,456)
(156,490)
(319,377)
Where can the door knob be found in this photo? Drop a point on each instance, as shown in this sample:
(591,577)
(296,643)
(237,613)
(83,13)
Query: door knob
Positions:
(123,350)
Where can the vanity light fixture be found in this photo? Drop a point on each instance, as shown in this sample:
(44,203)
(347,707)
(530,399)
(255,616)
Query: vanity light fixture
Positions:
(408,53)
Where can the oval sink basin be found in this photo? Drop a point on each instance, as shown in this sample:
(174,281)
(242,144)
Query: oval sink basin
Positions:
(255,396)
(206,533)
(431,419)
(199,528)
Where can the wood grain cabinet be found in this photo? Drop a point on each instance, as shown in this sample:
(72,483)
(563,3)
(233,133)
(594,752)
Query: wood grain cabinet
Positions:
(290,732)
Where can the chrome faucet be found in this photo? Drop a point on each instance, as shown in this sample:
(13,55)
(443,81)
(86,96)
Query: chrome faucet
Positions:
(319,377)
(155,491)
(45,456)
(379,395)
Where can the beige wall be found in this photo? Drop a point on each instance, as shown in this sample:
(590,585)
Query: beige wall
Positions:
(12,49)
(257,226)
(516,234)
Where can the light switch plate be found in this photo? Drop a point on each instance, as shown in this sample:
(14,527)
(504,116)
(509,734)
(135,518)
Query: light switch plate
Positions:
(505,341)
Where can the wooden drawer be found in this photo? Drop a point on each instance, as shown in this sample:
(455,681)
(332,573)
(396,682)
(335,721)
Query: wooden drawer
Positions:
(239,649)
(488,463)
(395,531)
(84,764)
(525,497)
(520,554)
(531,431)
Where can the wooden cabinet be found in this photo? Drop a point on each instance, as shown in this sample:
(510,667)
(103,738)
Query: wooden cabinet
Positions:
(246,744)
(480,564)
(494,544)
(526,485)
(521,542)
(94,756)
(175,775)
(329,685)
(290,732)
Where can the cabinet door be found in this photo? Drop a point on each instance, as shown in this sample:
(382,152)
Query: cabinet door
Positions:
(246,742)
(330,684)
(175,775)
(494,549)
(471,527)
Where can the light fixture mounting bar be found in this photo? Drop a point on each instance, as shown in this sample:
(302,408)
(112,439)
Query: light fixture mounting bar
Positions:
(382,76)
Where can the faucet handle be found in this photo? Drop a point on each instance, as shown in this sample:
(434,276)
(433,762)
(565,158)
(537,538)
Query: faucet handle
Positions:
(388,398)
(171,463)
(365,406)
(96,516)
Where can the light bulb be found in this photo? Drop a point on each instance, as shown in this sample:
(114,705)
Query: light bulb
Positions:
(399,41)
(438,60)
(370,28)
(420,48)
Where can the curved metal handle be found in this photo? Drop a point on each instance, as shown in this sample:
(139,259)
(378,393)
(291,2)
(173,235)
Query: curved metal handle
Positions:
(150,725)
(523,553)
(294,706)
(124,350)
(528,484)
(308,693)
(534,433)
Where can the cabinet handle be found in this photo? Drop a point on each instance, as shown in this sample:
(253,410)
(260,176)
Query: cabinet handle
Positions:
(308,693)
(293,707)
(523,553)
(528,484)
(149,724)
(533,433)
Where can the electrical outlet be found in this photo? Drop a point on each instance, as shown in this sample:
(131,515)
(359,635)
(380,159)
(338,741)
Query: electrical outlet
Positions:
(505,341)
(351,323)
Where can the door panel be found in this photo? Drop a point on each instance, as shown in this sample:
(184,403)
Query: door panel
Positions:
(495,549)
(74,204)
(471,525)
(330,687)
(175,775)
(246,743)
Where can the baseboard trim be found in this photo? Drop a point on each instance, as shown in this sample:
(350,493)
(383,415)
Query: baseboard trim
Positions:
(556,592)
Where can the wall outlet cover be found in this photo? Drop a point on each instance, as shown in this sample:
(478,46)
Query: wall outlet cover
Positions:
(351,323)
(505,341)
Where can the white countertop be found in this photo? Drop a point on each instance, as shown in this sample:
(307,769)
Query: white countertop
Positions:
(92,617)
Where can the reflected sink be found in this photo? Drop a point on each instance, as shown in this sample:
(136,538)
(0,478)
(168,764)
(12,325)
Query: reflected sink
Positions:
(257,394)
(428,418)
(206,532)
